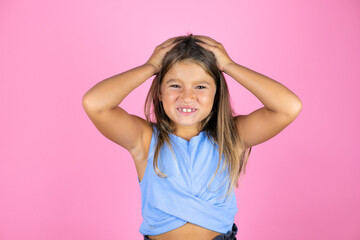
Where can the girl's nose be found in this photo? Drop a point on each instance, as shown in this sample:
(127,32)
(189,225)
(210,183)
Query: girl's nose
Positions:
(187,96)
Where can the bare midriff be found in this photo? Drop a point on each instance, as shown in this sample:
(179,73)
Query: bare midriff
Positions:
(188,231)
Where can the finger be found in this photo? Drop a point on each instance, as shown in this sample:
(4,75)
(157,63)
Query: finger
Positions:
(201,36)
(170,40)
(205,38)
(163,44)
(206,45)
(170,45)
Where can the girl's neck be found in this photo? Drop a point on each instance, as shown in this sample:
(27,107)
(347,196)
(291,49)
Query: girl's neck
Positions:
(186,132)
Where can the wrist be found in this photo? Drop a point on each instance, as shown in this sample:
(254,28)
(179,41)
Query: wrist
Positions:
(153,67)
(227,67)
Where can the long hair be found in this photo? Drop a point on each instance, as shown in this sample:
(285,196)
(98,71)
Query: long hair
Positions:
(219,124)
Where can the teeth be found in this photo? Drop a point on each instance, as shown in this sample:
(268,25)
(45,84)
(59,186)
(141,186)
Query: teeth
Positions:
(186,110)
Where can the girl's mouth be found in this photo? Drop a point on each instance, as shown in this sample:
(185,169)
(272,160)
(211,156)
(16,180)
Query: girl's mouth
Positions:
(186,111)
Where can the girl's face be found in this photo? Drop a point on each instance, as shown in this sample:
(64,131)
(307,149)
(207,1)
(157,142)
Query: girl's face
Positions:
(187,95)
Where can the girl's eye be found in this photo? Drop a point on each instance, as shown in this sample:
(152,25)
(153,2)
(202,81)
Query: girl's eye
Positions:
(177,86)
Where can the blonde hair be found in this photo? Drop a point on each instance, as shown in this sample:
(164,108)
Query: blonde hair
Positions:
(219,124)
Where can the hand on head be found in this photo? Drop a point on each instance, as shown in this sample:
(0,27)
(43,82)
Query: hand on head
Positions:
(159,53)
(222,58)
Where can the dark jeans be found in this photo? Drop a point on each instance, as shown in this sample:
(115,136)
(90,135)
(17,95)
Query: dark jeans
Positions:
(230,235)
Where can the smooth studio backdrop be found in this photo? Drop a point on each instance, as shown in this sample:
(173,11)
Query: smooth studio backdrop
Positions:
(60,179)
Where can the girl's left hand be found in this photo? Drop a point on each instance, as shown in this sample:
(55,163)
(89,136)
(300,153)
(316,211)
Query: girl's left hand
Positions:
(222,58)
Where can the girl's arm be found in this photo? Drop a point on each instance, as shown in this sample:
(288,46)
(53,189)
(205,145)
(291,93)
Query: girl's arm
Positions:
(281,106)
(101,105)
(109,93)
(101,102)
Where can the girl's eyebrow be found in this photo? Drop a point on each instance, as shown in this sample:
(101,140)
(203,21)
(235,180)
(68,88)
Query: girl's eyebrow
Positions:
(196,82)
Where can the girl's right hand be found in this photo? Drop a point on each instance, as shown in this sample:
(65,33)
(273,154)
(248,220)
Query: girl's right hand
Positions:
(159,53)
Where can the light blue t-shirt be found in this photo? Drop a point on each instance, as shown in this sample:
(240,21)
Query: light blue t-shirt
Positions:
(183,196)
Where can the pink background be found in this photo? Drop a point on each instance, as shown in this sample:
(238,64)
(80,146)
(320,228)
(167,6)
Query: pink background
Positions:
(60,179)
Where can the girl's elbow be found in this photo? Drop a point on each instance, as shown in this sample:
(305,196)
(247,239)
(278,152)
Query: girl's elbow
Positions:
(295,108)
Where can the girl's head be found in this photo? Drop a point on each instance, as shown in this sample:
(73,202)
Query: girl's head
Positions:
(185,65)
(187,95)
(177,85)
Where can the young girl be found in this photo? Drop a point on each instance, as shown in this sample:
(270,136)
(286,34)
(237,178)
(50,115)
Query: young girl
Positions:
(190,144)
